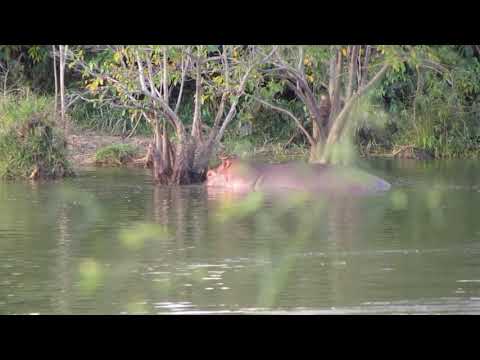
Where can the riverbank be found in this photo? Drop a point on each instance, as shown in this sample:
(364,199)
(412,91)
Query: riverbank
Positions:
(82,148)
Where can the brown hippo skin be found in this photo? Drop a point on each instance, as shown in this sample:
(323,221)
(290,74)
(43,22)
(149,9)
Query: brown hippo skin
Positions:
(239,175)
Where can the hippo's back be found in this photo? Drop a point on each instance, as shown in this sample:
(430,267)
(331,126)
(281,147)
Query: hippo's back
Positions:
(319,178)
(348,179)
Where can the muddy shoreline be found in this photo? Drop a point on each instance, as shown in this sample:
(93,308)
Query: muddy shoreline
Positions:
(82,147)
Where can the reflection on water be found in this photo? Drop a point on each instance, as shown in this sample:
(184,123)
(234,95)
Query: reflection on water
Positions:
(110,242)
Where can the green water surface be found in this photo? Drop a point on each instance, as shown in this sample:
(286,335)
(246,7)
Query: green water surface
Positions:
(110,242)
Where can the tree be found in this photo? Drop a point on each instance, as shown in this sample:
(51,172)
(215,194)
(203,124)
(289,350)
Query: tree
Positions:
(329,81)
(142,79)
(62,51)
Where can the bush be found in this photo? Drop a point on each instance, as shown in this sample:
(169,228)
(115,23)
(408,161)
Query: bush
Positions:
(30,146)
(115,154)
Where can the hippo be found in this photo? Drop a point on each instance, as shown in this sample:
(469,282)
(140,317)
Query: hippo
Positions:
(239,175)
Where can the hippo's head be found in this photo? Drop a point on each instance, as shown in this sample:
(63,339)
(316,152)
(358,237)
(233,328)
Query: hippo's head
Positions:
(216,178)
(233,174)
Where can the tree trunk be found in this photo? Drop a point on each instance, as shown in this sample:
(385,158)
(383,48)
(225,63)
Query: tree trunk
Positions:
(316,152)
(317,148)
(55,110)
(163,158)
(157,134)
(352,72)
(62,53)
(316,131)
(182,172)
(203,155)
(339,122)
(185,63)
(166,152)
(364,69)
(196,128)
(328,107)
(334,86)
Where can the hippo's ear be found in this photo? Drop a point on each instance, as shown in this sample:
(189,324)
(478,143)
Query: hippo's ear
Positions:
(227,163)
(210,173)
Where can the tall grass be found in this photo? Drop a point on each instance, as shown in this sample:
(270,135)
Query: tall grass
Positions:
(29,140)
(108,120)
(443,128)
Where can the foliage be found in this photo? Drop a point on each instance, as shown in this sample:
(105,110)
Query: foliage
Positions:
(115,154)
(108,120)
(429,97)
(26,65)
(29,142)
(435,107)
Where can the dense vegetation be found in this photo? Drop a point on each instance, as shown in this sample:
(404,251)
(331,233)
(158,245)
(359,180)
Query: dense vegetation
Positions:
(327,102)
(30,144)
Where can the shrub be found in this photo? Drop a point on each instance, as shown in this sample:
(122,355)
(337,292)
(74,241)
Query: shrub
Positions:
(115,154)
(30,145)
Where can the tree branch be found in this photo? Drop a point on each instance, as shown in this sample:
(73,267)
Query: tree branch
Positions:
(364,69)
(198,92)
(165,76)
(287,112)
(164,106)
(153,88)
(339,123)
(240,92)
(185,63)
(351,71)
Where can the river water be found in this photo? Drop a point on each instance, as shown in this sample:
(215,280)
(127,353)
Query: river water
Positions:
(110,242)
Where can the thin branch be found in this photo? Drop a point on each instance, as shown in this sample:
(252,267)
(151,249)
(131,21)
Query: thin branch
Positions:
(300,62)
(153,88)
(56,83)
(134,128)
(287,112)
(226,69)
(339,123)
(221,109)
(291,71)
(165,76)
(166,109)
(185,63)
(309,100)
(352,70)
(63,49)
(364,69)
(439,68)
(75,98)
(198,93)
(141,77)
(226,91)
(240,92)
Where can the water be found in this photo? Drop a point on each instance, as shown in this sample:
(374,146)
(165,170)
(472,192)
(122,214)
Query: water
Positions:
(109,242)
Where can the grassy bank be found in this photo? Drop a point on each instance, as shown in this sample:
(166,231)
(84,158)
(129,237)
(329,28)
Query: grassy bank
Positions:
(115,155)
(30,144)
(432,129)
